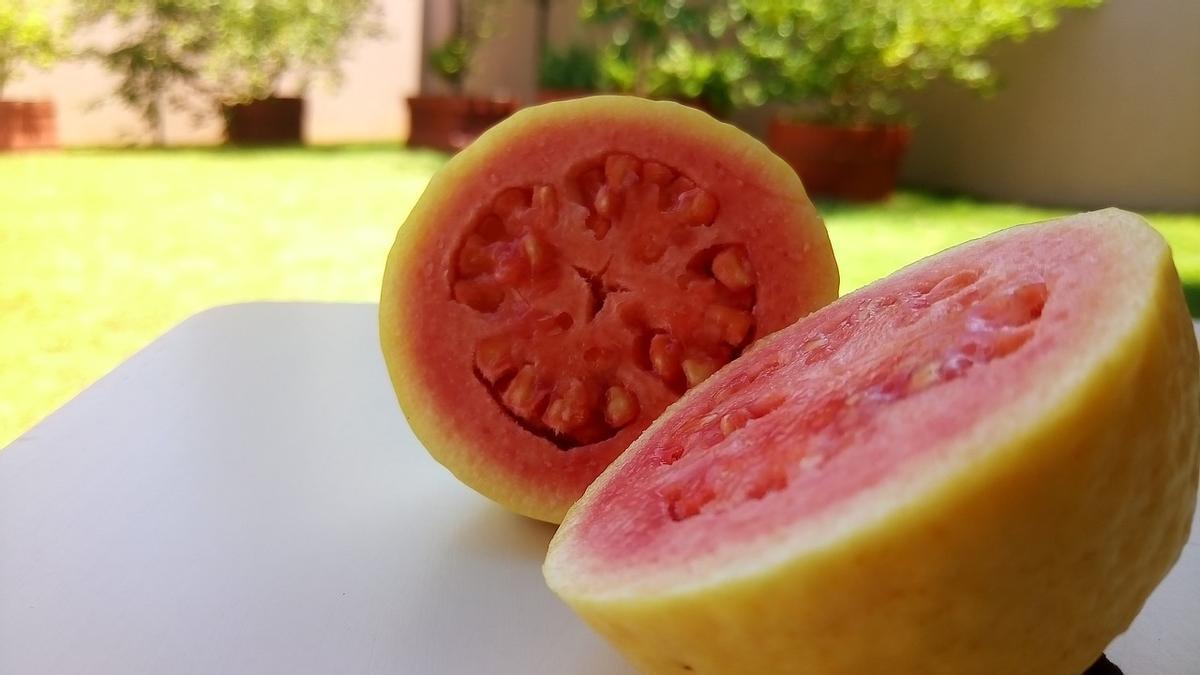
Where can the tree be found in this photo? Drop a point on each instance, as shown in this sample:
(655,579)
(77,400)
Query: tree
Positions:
(220,51)
(259,41)
(26,38)
(159,55)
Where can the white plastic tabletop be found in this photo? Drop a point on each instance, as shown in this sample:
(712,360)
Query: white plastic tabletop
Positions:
(243,495)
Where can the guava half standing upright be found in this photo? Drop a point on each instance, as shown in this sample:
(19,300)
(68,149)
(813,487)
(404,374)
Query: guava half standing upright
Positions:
(980,465)
(573,272)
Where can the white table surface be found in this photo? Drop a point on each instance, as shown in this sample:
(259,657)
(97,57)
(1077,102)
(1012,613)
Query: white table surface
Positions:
(243,495)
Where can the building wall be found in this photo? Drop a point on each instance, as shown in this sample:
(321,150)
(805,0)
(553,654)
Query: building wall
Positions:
(1104,110)
(368,104)
(506,64)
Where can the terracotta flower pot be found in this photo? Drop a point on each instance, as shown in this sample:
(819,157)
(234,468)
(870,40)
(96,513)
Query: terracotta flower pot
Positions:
(857,163)
(450,123)
(270,121)
(27,125)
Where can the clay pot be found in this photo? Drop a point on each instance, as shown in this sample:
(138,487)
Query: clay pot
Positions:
(858,163)
(27,125)
(270,121)
(450,123)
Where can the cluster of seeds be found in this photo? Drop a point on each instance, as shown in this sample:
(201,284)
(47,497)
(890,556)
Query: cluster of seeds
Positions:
(517,256)
(993,322)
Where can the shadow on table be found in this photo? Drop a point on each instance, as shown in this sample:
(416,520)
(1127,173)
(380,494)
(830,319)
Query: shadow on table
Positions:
(483,585)
(492,532)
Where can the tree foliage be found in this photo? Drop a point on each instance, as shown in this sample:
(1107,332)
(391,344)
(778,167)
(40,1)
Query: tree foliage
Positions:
(258,41)
(27,37)
(574,68)
(855,57)
(851,60)
(661,48)
(224,51)
(160,46)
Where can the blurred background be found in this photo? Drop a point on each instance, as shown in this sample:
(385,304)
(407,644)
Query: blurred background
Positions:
(159,157)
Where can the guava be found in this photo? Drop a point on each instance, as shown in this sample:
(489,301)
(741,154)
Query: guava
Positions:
(573,272)
(981,464)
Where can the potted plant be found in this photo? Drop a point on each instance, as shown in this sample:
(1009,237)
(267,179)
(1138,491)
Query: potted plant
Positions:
(257,44)
(569,73)
(157,55)
(709,77)
(450,121)
(669,50)
(173,53)
(841,67)
(26,38)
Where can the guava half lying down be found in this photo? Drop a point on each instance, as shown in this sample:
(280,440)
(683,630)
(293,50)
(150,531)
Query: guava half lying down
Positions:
(982,464)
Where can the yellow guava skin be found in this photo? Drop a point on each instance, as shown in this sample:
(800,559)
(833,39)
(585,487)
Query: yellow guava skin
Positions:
(932,586)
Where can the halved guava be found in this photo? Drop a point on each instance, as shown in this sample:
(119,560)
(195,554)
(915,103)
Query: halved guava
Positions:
(573,272)
(981,464)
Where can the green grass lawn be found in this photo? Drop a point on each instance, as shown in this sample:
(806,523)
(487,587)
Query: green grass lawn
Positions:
(101,251)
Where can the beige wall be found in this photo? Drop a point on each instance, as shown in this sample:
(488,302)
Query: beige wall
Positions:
(1105,110)
(367,105)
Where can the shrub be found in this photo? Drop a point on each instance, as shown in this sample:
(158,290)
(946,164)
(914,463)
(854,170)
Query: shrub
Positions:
(574,68)
(667,49)
(161,44)
(257,42)
(225,51)
(854,58)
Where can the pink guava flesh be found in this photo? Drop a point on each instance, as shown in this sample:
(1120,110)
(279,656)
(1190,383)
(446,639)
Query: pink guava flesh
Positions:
(847,397)
(564,303)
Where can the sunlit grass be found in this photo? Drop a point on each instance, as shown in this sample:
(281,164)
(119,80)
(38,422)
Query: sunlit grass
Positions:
(102,251)
(872,240)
